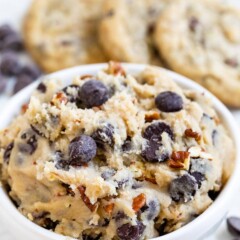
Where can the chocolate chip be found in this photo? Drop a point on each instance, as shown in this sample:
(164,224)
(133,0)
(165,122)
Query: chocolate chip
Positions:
(151,210)
(30,143)
(12,42)
(213,194)
(154,152)
(122,183)
(93,93)
(9,65)
(42,87)
(127,145)
(232,62)
(61,162)
(183,188)
(5,30)
(160,227)
(169,102)
(50,224)
(119,216)
(30,70)
(193,24)
(155,130)
(7,152)
(82,149)
(69,190)
(198,177)
(130,232)
(108,173)
(22,81)
(91,237)
(104,135)
(233,224)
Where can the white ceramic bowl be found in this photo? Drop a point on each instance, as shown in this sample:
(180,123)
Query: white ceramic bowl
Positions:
(23,229)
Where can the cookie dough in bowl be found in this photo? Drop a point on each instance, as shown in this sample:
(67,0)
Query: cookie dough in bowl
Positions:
(118,153)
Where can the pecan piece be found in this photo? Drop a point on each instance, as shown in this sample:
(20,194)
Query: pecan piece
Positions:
(150,116)
(24,107)
(191,134)
(86,200)
(179,160)
(86,76)
(138,202)
(115,68)
(109,208)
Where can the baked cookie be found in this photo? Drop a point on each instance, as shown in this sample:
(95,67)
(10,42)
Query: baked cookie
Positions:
(201,40)
(115,155)
(126,30)
(61,34)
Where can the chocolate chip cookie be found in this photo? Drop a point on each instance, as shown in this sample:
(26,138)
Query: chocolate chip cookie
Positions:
(201,40)
(127,28)
(61,34)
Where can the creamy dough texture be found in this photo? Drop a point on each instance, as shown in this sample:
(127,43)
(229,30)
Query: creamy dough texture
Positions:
(115,156)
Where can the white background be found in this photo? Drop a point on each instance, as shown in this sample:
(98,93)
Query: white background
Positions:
(12,11)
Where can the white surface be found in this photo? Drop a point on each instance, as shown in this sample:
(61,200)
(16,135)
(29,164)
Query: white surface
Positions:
(12,11)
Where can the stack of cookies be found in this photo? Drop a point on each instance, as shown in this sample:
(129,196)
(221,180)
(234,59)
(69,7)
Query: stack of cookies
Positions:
(199,39)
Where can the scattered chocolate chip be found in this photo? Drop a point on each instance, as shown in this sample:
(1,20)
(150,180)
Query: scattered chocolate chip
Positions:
(5,30)
(151,29)
(183,188)
(232,62)
(91,237)
(7,152)
(22,81)
(233,224)
(30,143)
(169,102)
(93,93)
(122,183)
(30,70)
(104,135)
(9,65)
(153,152)
(127,145)
(82,149)
(155,130)
(198,177)
(160,227)
(151,210)
(68,189)
(61,162)
(42,87)
(50,224)
(12,42)
(108,173)
(119,216)
(193,24)
(213,194)
(130,232)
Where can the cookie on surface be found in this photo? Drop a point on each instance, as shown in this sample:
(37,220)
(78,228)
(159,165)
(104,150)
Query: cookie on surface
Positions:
(201,40)
(126,30)
(61,34)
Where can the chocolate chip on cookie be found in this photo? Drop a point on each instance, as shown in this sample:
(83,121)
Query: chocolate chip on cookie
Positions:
(183,188)
(169,102)
(93,93)
(82,149)
(7,152)
(42,87)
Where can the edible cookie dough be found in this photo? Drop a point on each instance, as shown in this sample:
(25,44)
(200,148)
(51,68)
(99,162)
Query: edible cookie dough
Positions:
(201,39)
(126,31)
(61,34)
(115,155)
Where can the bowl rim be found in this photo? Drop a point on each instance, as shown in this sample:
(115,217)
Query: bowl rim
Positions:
(210,213)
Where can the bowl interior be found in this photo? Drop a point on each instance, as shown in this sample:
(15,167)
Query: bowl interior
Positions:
(13,106)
